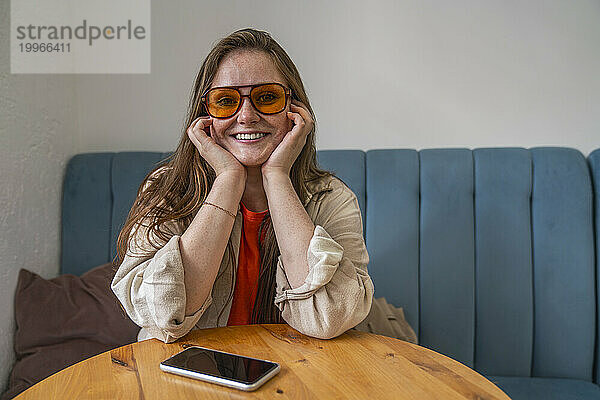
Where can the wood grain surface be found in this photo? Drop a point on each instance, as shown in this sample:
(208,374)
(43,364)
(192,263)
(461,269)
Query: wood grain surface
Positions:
(355,365)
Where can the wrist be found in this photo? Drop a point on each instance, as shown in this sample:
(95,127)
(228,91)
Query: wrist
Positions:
(274,177)
(236,173)
(233,179)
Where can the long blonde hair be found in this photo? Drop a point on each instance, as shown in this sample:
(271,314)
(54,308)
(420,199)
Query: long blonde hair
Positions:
(178,194)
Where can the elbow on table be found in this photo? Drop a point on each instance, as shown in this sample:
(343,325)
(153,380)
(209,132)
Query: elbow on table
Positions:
(327,334)
(332,331)
(335,322)
(154,332)
(169,339)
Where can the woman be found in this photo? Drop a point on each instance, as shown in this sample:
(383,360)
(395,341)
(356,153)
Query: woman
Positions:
(239,225)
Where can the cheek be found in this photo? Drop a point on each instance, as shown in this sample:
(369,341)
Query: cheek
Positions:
(286,124)
(217,130)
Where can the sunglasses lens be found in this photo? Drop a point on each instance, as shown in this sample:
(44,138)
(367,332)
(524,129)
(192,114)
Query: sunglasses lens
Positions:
(268,99)
(223,103)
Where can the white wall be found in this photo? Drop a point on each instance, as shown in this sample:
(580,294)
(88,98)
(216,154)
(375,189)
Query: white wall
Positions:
(37,135)
(438,74)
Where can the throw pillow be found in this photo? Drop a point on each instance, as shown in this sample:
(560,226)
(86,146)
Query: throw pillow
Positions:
(62,321)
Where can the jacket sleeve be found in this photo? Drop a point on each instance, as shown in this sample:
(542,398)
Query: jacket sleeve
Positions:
(152,290)
(337,292)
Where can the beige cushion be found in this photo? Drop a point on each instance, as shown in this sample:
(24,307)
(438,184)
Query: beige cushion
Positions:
(387,320)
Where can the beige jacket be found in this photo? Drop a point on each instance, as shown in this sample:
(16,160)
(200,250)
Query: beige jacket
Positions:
(335,296)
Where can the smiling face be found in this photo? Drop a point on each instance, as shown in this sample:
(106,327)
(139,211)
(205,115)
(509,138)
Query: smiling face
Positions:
(248,68)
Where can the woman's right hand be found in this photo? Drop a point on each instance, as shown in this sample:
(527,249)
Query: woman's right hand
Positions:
(219,158)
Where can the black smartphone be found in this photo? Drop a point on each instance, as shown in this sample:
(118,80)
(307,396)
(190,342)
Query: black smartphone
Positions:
(232,370)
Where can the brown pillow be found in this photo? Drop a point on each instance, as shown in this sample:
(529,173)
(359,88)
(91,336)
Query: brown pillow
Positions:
(62,321)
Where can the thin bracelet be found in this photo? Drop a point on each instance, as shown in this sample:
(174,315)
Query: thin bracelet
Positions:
(221,208)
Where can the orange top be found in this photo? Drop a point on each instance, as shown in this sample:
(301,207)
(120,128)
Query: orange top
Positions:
(246,283)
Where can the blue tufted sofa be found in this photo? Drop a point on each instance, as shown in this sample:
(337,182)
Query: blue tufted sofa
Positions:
(491,252)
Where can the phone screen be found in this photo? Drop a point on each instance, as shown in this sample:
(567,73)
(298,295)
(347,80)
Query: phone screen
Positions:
(223,365)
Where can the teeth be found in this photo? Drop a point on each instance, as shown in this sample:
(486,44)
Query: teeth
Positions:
(245,136)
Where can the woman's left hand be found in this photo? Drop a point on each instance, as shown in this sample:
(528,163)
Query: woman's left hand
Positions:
(285,154)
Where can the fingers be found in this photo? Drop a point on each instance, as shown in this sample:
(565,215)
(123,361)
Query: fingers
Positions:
(299,104)
(300,113)
(196,130)
(298,107)
(297,118)
(200,123)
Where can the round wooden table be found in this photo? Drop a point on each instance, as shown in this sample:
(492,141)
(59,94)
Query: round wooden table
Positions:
(355,365)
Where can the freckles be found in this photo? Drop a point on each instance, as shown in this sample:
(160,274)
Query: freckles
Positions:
(219,128)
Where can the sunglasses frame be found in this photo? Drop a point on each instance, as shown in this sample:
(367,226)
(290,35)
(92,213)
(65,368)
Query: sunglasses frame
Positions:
(287,91)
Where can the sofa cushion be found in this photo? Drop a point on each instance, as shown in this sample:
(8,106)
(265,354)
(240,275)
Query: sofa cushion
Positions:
(62,321)
(519,388)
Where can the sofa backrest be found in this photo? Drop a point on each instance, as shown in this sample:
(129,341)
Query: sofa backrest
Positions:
(491,252)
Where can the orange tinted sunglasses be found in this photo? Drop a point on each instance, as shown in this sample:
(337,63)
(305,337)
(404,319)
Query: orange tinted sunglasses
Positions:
(266,98)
